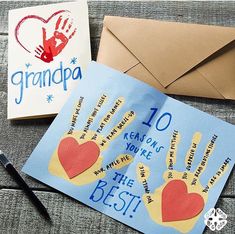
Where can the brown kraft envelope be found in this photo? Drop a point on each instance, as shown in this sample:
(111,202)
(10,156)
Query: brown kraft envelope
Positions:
(175,58)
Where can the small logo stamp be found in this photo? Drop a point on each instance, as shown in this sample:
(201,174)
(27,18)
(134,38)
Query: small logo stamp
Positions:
(215,219)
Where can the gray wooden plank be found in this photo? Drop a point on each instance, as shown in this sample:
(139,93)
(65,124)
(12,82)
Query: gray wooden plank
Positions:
(3,63)
(207,12)
(219,13)
(222,109)
(17,215)
(18,139)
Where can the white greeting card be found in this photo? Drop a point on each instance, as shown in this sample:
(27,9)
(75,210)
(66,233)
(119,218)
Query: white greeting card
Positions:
(48,52)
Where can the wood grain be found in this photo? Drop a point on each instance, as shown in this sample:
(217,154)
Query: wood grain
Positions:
(70,216)
(18,138)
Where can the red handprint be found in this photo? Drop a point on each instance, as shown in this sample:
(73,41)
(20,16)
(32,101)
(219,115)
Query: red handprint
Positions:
(64,31)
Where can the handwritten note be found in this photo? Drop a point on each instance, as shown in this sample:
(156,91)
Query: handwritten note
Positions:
(129,151)
(49,49)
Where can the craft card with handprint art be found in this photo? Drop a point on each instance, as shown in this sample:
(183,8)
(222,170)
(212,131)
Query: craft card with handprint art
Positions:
(48,53)
(131,152)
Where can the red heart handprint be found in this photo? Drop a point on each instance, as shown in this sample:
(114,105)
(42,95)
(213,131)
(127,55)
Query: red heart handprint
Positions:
(178,204)
(76,158)
(55,32)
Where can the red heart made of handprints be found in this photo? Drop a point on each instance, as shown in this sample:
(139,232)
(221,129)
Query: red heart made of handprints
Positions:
(76,158)
(23,30)
(178,204)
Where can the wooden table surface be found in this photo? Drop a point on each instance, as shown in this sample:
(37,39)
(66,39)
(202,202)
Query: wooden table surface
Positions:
(18,138)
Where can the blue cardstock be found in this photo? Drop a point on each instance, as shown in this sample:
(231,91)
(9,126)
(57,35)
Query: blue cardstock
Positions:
(129,151)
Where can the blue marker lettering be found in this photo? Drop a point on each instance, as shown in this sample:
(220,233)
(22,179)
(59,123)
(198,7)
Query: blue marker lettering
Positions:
(25,80)
(18,80)
(98,188)
(109,195)
(60,75)
(121,198)
(79,73)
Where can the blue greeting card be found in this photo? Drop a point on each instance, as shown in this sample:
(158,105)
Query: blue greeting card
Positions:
(129,151)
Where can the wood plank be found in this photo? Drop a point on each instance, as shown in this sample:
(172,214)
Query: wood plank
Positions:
(222,109)
(206,12)
(13,131)
(3,63)
(18,138)
(69,216)
(17,215)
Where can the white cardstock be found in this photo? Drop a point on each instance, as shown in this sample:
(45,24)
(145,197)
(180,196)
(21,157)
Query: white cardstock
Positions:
(48,52)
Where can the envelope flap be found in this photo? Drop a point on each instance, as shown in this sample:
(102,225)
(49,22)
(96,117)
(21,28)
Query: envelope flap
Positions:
(168,49)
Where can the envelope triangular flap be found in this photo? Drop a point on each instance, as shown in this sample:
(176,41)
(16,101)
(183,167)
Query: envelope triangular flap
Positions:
(167,49)
(114,54)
